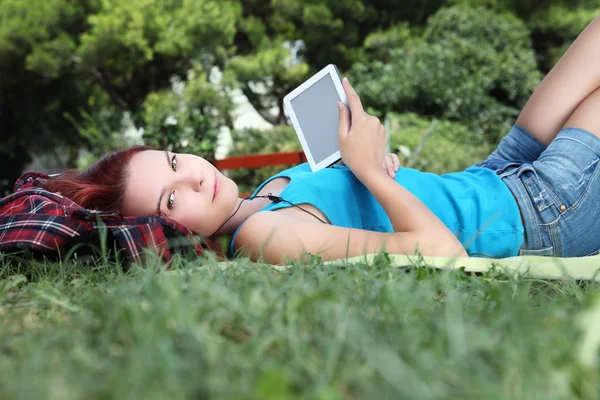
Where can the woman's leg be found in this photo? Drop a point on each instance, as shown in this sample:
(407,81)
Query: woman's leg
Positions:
(559,191)
(556,182)
(566,86)
(587,115)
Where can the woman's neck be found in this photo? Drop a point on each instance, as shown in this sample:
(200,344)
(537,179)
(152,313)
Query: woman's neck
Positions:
(247,208)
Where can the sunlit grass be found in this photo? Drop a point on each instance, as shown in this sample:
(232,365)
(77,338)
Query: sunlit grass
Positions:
(324,332)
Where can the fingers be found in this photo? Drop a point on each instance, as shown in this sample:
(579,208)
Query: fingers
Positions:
(353,99)
(391,163)
(344,124)
(395,161)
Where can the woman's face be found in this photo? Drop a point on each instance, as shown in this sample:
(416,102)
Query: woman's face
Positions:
(181,187)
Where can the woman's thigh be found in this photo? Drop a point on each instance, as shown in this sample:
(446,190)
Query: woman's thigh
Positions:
(587,115)
(566,86)
(516,148)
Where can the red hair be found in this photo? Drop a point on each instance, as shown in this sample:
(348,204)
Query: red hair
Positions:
(102,186)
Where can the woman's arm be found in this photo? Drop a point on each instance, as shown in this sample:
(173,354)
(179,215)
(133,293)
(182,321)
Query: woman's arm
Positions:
(362,146)
(277,238)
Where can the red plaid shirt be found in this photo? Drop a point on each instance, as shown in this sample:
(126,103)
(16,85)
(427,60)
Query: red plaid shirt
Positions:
(37,220)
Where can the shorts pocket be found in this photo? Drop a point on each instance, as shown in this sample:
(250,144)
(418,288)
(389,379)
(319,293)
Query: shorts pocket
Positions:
(570,174)
(574,193)
(540,195)
(543,198)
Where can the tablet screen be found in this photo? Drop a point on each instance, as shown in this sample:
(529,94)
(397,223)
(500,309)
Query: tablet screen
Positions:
(317,113)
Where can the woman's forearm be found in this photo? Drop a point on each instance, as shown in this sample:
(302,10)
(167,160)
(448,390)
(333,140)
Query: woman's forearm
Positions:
(406,212)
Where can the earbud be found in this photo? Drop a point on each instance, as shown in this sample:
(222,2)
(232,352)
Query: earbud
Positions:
(272,197)
(275,199)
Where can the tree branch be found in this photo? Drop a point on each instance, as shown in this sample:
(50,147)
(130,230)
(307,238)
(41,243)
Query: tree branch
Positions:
(421,146)
(110,89)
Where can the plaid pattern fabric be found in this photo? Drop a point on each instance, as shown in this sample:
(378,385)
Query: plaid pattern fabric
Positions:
(41,222)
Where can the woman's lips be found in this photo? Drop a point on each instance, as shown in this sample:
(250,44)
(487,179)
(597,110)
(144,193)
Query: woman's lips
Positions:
(217,186)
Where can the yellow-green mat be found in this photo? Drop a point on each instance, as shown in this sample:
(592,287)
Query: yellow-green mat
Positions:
(587,268)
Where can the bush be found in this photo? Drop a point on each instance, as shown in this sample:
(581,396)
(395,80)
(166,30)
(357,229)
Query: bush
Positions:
(448,147)
(470,65)
(557,26)
(255,141)
(187,117)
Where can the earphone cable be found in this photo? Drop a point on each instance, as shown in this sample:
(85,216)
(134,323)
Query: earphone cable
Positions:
(274,199)
(277,199)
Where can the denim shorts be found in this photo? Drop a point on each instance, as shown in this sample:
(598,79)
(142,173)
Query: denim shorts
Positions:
(556,188)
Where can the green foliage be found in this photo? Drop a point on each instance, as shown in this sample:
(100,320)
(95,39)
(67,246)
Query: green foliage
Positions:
(553,24)
(359,331)
(270,72)
(379,43)
(520,8)
(103,129)
(189,132)
(187,119)
(40,32)
(254,141)
(559,25)
(331,31)
(66,66)
(37,78)
(72,71)
(497,46)
(526,9)
(133,47)
(564,19)
(470,65)
(437,146)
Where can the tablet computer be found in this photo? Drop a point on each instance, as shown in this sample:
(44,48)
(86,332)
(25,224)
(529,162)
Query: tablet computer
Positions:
(312,108)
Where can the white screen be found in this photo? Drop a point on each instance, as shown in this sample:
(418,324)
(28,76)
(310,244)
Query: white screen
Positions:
(317,113)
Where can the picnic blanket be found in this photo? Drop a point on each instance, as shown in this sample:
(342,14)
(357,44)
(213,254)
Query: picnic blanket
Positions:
(579,268)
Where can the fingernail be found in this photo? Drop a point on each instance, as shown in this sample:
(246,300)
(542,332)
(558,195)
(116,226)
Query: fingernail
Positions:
(340,106)
(345,79)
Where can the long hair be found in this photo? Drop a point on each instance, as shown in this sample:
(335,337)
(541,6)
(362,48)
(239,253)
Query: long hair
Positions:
(102,185)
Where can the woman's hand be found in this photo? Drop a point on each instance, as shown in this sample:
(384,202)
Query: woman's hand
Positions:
(391,163)
(362,143)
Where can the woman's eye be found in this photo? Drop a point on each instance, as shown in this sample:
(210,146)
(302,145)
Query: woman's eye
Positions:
(174,162)
(171,201)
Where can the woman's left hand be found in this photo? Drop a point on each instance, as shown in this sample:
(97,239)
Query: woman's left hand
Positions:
(391,164)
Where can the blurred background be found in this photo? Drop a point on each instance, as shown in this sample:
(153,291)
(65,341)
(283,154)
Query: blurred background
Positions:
(81,77)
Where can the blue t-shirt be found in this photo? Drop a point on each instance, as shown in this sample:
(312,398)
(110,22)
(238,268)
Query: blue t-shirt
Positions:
(474,204)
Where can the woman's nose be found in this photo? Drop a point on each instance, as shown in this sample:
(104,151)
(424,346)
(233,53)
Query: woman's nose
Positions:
(194,178)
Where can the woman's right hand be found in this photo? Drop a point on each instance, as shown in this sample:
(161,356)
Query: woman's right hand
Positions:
(363,140)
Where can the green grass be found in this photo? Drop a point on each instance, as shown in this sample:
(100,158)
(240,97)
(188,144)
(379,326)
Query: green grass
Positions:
(324,332)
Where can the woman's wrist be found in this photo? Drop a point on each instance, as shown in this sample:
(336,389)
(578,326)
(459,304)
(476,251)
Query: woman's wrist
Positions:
(365,174)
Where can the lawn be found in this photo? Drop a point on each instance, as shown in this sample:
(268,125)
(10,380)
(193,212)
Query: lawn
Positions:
(360,331)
